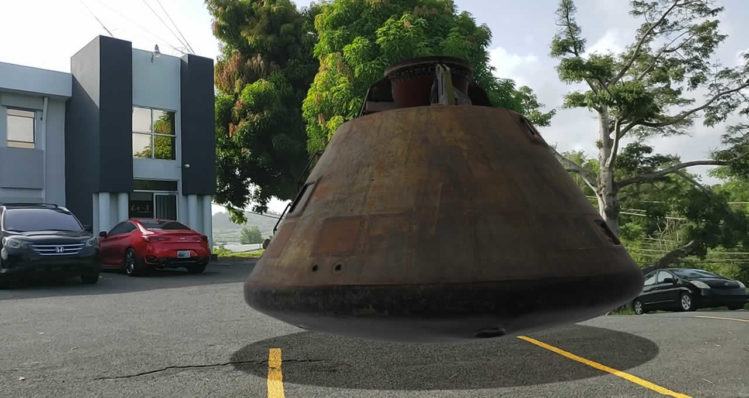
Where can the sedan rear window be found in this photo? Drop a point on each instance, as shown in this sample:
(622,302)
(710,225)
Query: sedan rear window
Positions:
(25,220)
(163,225)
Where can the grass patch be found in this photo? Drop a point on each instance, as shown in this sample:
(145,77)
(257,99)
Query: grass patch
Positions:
(623,310)
(225,254)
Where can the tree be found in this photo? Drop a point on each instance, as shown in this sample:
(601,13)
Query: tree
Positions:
(262,76)
(658,86)
(358,39)
(250,235)
(672,218)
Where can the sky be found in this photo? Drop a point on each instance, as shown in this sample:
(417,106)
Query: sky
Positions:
(45,33)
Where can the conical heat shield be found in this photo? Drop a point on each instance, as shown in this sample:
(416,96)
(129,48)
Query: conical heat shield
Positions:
(435,223)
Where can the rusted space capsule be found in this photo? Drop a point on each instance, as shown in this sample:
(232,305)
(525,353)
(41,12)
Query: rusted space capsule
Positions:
(433,218)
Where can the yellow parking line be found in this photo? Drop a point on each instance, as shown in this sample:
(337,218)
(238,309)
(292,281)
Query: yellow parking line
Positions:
(275,376)
(725,319)
(604,368)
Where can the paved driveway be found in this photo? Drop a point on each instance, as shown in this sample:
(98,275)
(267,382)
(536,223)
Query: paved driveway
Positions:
(173,334)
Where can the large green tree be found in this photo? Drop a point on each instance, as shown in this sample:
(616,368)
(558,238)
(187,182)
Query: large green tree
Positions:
(262,76)
(658,86)
(669,219)
(358,39)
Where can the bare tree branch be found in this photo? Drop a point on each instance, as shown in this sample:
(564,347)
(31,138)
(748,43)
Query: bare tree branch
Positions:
(615,146)
(569,165)
(673,256)
(669,170)
(643,38)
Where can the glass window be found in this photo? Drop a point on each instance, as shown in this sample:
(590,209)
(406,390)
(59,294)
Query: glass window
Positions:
(20,128)
(694,273)
(163,225)
(25,220)
(141,120)
(153,134)
(650,279)
(154,185)
(662,276)
(142,145)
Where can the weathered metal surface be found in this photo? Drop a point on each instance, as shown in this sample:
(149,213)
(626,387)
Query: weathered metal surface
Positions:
(438,223)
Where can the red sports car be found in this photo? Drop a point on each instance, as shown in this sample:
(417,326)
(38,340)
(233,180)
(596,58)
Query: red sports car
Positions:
(137,245)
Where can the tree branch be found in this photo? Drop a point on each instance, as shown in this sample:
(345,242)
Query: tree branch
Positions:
(640,43)
(673,256)
(669,170)
(615,146)
(683,115)
(664,50)
(576,168)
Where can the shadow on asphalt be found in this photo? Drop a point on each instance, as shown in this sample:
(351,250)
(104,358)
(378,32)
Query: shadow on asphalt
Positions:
(342,362)
(116,282)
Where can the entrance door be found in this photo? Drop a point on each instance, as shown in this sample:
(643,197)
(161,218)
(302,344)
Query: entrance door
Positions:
(165,206)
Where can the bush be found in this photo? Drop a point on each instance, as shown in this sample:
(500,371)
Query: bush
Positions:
(250,235)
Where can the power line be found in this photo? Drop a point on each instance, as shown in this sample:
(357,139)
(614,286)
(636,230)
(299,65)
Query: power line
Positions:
(175,26)
(165,24)
(96,18)
(143,28)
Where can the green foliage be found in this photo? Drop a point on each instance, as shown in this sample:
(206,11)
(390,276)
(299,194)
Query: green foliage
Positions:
(358,39)
(263,74)
(669,61)
(666,213)
(250,235)
(225,254)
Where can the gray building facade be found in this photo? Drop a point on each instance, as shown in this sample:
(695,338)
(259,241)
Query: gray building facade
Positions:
(128,133)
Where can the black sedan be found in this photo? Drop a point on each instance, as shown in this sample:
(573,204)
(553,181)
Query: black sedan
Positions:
(686,289)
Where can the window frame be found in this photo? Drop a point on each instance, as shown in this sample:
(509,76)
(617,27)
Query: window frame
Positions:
(152,134)
(16,143)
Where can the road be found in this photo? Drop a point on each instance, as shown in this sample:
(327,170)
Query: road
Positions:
(173,334)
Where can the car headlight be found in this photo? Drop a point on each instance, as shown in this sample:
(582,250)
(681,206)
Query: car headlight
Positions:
(741,285)
(701,285)
(92,242)
(14,243)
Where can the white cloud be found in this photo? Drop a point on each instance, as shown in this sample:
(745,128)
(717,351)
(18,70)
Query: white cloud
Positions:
(610,42)
(508,65)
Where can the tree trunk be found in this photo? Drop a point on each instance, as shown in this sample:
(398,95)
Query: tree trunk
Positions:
(608,195)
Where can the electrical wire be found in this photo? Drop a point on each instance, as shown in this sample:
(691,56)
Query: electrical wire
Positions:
(143,28)
(96,18)
(166,25)
(189,47)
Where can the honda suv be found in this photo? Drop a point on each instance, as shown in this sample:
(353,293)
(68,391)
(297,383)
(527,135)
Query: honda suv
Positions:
(37,239)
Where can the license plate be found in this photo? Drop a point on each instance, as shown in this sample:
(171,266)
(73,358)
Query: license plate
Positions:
(183,254)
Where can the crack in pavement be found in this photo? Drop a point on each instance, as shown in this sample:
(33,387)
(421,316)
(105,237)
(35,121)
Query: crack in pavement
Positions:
(209,365)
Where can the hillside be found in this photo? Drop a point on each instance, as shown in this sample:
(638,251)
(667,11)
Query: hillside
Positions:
(225,231)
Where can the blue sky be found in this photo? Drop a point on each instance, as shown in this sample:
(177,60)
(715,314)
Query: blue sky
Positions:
(44,33)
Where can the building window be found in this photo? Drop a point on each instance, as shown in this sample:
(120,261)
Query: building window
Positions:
(153,134)
(154,199)
(20,128)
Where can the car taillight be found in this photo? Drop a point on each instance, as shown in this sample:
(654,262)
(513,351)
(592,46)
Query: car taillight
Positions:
(155,238)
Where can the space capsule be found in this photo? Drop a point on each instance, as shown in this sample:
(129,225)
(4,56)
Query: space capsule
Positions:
(435,217)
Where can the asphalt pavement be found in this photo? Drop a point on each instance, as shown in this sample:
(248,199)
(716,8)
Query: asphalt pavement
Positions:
(174,334)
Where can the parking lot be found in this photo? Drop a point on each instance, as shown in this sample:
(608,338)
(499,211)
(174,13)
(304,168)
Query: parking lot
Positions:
(174,334)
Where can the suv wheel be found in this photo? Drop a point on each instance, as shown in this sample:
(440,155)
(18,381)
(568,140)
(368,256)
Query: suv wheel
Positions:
(686,302)
(130,264)
(89,278)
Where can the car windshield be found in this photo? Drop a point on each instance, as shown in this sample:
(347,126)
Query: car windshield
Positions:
(26,220)
(693,273)
(163,225)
